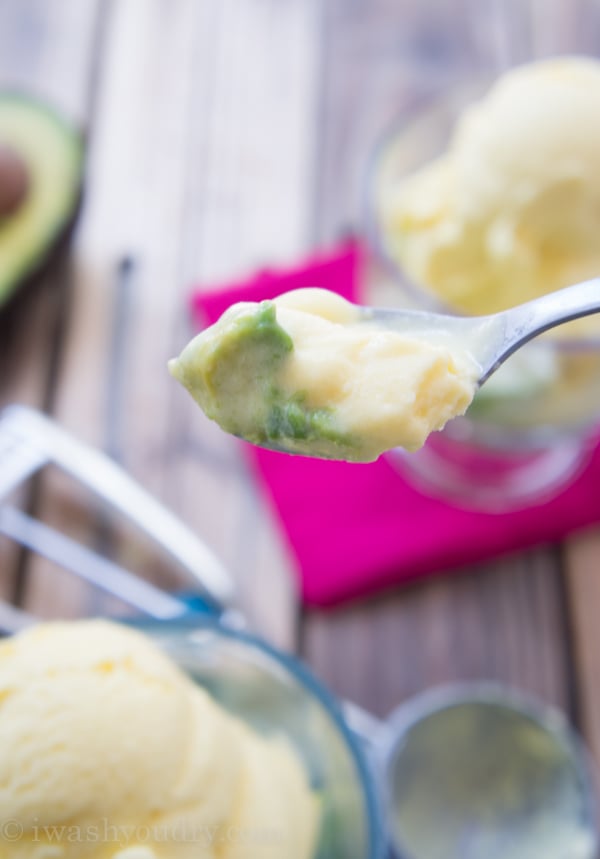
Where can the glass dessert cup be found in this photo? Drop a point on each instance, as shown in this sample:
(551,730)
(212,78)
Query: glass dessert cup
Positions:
(275,694)
(533,426)
(495,772)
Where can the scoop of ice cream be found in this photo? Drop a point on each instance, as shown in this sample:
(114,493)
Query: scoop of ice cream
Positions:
(305,374)
(512,210)
(109,751)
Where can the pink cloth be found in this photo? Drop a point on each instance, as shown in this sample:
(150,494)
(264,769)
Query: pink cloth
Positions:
(355,529)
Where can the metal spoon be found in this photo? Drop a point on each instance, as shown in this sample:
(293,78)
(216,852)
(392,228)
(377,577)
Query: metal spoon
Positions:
(492,339)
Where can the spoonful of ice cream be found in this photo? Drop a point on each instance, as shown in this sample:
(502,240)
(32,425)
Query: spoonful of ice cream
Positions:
(310,373)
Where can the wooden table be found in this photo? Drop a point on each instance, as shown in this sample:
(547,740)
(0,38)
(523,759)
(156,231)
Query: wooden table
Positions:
(224,134)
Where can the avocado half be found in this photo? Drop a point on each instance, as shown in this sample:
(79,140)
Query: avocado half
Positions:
(41,175)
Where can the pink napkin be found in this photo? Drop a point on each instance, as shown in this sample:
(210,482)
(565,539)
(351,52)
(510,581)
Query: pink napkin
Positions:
(355,529)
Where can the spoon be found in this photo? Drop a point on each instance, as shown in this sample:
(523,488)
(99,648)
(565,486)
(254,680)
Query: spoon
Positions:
(492,339)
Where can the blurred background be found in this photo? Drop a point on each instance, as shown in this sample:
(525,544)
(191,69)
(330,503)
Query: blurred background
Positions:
(221,137)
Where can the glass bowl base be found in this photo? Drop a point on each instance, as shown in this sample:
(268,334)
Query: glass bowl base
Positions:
(475,477)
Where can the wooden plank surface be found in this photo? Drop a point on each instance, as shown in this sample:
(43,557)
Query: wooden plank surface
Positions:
(48,49)
(504,620)
(582,561)
(26,340)
(199,141)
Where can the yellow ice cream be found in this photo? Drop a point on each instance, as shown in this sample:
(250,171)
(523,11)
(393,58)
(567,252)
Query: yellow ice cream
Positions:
(110,752)
(512,210)
(305,374)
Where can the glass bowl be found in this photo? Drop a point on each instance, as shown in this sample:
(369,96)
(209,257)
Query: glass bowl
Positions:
(277,695)
(481,771)
(533,426)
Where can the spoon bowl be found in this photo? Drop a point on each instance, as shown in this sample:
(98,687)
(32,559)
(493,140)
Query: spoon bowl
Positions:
(310,373)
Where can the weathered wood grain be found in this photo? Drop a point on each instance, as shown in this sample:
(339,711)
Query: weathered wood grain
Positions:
(28,332)
(199,169)
(46,49)
(502,622)
(582,564)
(248,205)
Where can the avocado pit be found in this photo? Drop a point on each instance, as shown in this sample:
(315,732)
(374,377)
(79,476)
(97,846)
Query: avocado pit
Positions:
(14,181)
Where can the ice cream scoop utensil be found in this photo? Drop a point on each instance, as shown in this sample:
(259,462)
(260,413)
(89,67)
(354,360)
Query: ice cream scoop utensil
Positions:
(28,441)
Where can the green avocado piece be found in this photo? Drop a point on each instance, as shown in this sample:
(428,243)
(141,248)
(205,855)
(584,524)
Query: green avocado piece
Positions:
(254,341)
(290,420)
(49,151)
(234,375)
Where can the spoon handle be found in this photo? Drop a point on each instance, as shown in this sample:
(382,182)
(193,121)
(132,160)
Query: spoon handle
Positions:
(523,323)
(564,305)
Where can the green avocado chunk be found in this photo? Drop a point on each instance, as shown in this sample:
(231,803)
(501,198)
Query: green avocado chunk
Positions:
(235,377)
(41,171)
(290,419)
